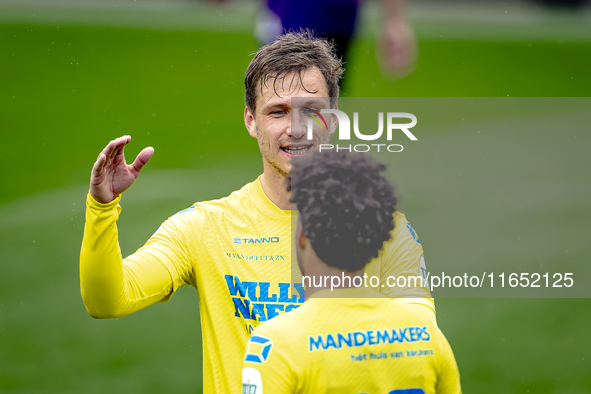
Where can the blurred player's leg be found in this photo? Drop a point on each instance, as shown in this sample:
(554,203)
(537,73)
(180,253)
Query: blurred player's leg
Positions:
(333,20)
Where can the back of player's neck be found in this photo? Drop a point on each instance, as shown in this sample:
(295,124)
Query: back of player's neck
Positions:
(330,278)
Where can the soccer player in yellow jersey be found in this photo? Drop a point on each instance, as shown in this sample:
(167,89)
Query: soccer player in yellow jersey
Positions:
(350,339)
(236,250)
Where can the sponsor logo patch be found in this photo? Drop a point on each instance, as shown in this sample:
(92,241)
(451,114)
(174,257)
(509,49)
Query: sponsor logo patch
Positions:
(258,349)
(252,382)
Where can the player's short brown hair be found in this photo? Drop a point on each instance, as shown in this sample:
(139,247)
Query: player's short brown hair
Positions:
(292,53)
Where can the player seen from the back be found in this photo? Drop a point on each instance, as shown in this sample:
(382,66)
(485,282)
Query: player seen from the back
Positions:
(350,339)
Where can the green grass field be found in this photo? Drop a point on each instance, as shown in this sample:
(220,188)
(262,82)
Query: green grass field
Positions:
(65,92)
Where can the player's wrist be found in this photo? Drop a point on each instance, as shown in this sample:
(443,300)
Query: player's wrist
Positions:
(91,201)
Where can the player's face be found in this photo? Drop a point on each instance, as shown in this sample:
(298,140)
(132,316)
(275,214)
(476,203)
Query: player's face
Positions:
(280,126)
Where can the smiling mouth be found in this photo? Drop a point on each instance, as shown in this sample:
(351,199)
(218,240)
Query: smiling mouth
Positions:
(296,150)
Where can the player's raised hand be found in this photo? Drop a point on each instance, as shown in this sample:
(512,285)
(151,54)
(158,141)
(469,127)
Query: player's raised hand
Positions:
(111,175)
(398,47)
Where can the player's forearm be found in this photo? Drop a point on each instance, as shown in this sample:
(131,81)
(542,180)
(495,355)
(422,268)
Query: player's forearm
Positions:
(101,265)
(109,287)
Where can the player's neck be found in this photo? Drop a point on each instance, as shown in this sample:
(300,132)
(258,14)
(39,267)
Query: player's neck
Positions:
(275,189)
(320,278)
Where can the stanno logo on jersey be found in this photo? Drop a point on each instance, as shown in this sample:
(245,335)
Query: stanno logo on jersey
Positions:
(262,240)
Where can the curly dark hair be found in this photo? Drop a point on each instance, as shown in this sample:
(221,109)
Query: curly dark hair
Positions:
(292,52)
(345,206)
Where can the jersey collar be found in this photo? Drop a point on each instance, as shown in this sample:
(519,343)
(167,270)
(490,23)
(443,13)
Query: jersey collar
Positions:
(265,203)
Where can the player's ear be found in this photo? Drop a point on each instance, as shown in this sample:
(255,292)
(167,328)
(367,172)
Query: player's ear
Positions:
(249,122)
(301,239)
(334,121)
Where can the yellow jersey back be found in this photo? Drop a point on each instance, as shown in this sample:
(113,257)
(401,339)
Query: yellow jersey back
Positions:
(350,341)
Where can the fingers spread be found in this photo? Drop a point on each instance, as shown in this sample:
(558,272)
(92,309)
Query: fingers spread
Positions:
(118,155)
(99,165)
(119,143)
(109,148)
(141,160)
(113,148)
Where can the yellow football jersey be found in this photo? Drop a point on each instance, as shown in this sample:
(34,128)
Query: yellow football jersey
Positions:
(350,341)
(236,251)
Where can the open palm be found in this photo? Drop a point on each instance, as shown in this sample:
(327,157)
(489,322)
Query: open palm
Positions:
(111,175)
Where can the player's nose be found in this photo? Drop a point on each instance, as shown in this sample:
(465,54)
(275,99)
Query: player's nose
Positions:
(297,127)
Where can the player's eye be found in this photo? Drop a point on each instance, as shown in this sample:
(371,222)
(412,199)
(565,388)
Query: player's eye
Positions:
(280,112)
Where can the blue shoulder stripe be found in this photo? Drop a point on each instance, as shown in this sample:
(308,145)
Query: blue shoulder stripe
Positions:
(191,208)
